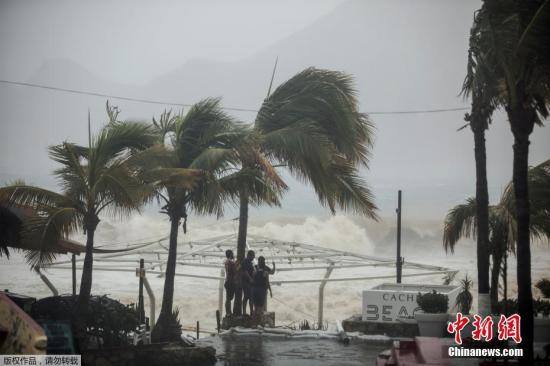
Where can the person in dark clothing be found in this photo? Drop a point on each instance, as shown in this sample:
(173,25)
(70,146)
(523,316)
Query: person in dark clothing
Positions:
(230,279)
(260,285)
(247,271)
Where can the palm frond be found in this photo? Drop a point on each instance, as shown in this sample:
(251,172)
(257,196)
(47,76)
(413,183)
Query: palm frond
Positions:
(33,197)
(182,178)
(343,188)
(204,126)
(165,125)
(10,230)
(326,100)
(72,175)
(460,222)
(509,39)
(41,233)
(117,140)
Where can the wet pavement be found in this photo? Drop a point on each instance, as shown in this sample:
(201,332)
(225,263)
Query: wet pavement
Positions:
(253,350)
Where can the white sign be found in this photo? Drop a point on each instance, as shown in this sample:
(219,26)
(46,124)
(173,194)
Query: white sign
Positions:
(389,302)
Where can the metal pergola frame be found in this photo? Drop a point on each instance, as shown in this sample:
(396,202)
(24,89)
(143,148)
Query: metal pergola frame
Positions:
(210,253)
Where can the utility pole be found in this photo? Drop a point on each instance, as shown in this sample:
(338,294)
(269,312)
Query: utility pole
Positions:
(89,131)
(398,260)
(141,308)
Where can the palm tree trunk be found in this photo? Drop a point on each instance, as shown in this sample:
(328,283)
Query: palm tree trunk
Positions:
(159,333)
(241,249)
(80,315)
(495,276)
(86,280)
(522,121)
(482,218)
(243,226)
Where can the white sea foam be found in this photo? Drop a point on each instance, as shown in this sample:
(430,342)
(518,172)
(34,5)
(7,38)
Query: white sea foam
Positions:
(198,299)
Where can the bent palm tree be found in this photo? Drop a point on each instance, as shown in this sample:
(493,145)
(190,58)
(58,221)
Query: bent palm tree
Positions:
(311,125)
(94,179)
(512,35)
(190,172)
(461,221)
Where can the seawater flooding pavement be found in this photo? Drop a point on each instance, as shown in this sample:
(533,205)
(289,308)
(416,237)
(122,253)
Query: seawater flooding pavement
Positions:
(254,350)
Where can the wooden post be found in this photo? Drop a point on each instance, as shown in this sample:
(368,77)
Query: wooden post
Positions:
(398,259)
(73,261)
(198,329)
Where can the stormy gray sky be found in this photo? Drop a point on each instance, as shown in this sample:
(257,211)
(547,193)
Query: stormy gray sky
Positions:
(405,55)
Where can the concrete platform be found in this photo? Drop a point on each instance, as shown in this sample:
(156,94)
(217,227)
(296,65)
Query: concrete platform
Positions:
(399,330)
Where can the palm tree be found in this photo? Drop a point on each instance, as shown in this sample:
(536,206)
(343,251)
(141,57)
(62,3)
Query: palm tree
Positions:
(94,180)
(483,105)
(461,222)
(510,36)
(311,125)
(191,170)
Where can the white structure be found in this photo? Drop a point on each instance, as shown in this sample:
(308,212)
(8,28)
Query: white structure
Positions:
(208,255)
(388,302)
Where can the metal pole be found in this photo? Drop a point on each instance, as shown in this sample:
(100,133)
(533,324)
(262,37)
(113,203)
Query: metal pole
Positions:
(47,282)
(220,293)
(141,310)
(73,259)
(398,260)
(161,269)
(321,296)
(151,294)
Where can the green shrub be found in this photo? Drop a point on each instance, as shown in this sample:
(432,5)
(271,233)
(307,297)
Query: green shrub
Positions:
(464,298)
(544,287)
(432,302)
(507,307)
(109,322)
(541,307)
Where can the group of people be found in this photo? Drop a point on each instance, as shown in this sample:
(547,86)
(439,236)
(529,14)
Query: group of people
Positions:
(252,279)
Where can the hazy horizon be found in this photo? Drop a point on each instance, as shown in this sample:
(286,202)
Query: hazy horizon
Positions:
(184,51)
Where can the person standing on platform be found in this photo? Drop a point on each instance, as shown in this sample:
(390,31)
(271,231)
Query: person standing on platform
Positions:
(230,280)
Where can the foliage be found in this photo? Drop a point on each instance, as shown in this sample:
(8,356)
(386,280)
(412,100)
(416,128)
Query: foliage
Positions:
(507,307)
(93,179)
(544,286)
(108,321)
(464,298)
(541,307)
(311,125)
(508,52)
(510,306)
(174,328)
(433,302)
(460,221)
(10,230)
(202,149)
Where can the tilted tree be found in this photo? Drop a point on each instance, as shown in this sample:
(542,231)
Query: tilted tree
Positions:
(311,125)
